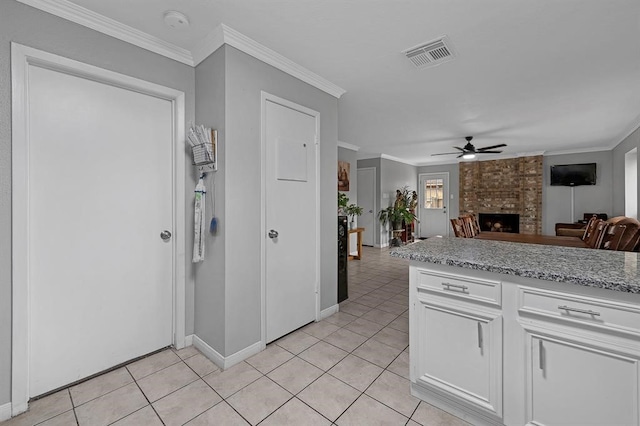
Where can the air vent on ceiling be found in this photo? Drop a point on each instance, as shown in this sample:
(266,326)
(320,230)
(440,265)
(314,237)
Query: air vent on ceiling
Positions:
(432,53)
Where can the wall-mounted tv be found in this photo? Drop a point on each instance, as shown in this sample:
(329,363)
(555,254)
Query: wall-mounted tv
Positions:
(573,174)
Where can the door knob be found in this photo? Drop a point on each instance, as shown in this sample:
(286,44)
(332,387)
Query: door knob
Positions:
(273,234)
(165,235)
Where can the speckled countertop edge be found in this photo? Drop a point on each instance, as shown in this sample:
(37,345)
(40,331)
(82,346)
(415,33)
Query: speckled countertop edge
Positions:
(587,267)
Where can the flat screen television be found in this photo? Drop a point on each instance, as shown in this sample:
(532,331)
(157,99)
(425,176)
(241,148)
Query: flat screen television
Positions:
(573,174)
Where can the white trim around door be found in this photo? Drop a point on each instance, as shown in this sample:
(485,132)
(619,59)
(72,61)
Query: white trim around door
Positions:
(22,57)
(446,200)
(376,228)
(264,98)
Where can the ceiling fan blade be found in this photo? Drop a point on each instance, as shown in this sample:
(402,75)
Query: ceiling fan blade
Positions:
(461,149)
(446,153)
(492,147)
(461,155)
(488,152)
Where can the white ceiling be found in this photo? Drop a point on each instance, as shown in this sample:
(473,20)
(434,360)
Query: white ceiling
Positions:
(542,75)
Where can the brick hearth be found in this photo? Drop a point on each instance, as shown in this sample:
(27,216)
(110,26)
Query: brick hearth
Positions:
(511,185)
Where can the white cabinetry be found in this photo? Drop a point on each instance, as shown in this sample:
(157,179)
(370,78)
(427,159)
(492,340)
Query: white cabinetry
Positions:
(581,359)
(496,349)
(458,325)
(572,383)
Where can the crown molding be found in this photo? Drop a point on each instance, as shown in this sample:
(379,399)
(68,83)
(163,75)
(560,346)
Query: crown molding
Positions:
(212,42)
(530,153)
(227,35)
(348,146)
(87,18)
(494,157)
(205,47)
(398,160)
(579,150)
(628,133)
(438,163)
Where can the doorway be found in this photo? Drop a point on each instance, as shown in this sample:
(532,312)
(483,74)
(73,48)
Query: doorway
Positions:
(433,198)
(98,175)
(367,200)
(291,216)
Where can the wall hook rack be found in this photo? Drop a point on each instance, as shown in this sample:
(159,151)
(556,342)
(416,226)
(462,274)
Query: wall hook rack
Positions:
(204,147)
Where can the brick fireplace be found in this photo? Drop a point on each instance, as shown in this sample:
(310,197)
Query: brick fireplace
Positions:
(511,186)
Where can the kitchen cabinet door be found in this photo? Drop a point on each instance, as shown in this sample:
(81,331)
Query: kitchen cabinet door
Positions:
(576,383)
(460,352)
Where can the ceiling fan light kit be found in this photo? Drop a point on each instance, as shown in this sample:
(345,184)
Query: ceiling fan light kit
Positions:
(469,151)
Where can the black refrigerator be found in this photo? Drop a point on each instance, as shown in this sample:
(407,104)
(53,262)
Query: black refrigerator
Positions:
(343,235)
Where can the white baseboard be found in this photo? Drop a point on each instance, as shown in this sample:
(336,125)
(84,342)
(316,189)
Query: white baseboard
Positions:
(221,361)
(208,351)
(188,340)
(5,411)
(325,313)
(243,354)
(381,245)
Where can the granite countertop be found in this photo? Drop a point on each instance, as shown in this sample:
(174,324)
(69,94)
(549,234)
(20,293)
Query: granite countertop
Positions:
(613,270)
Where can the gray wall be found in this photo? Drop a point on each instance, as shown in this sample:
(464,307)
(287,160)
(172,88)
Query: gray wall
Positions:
(210,274)
(632,141)
(395,176)
(390,175)
(31,27)
(348,155)
(245,78)
(556,200)
(375,163)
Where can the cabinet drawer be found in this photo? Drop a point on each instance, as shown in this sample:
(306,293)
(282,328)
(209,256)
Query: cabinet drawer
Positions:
(571,308)
(459,286)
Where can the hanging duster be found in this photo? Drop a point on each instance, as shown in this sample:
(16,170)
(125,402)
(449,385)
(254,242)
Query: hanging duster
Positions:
(199,221)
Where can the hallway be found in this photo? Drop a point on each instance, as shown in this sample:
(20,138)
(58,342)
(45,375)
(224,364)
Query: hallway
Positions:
(349,369)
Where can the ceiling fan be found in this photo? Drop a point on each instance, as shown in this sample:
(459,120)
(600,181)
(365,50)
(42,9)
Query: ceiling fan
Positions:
(469,151)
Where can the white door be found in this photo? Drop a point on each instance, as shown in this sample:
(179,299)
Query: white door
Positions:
(99,194)
(367,200)
(599,386)
(433,199)
(291,217)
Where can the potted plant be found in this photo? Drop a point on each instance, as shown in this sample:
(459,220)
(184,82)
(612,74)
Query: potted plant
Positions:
(343,200)
(352,211)
(402,211)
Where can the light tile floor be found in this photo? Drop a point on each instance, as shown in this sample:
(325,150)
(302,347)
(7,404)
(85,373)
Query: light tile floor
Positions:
(349,369)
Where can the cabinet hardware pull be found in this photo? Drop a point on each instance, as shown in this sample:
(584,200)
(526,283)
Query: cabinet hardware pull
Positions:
(582,311)
(480,338)
(448,286)
(541,354)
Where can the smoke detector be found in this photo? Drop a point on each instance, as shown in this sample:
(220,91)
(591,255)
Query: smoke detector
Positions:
(432,53)
(176,20)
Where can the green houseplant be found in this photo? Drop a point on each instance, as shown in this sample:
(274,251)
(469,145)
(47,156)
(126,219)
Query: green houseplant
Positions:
(352,211)
(396,216)
(401,212)
(343,200)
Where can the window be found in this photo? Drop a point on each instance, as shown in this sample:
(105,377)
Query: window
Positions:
(433,190)
(631,183)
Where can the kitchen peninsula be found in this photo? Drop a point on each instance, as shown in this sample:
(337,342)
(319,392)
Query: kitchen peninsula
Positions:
(522,334)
